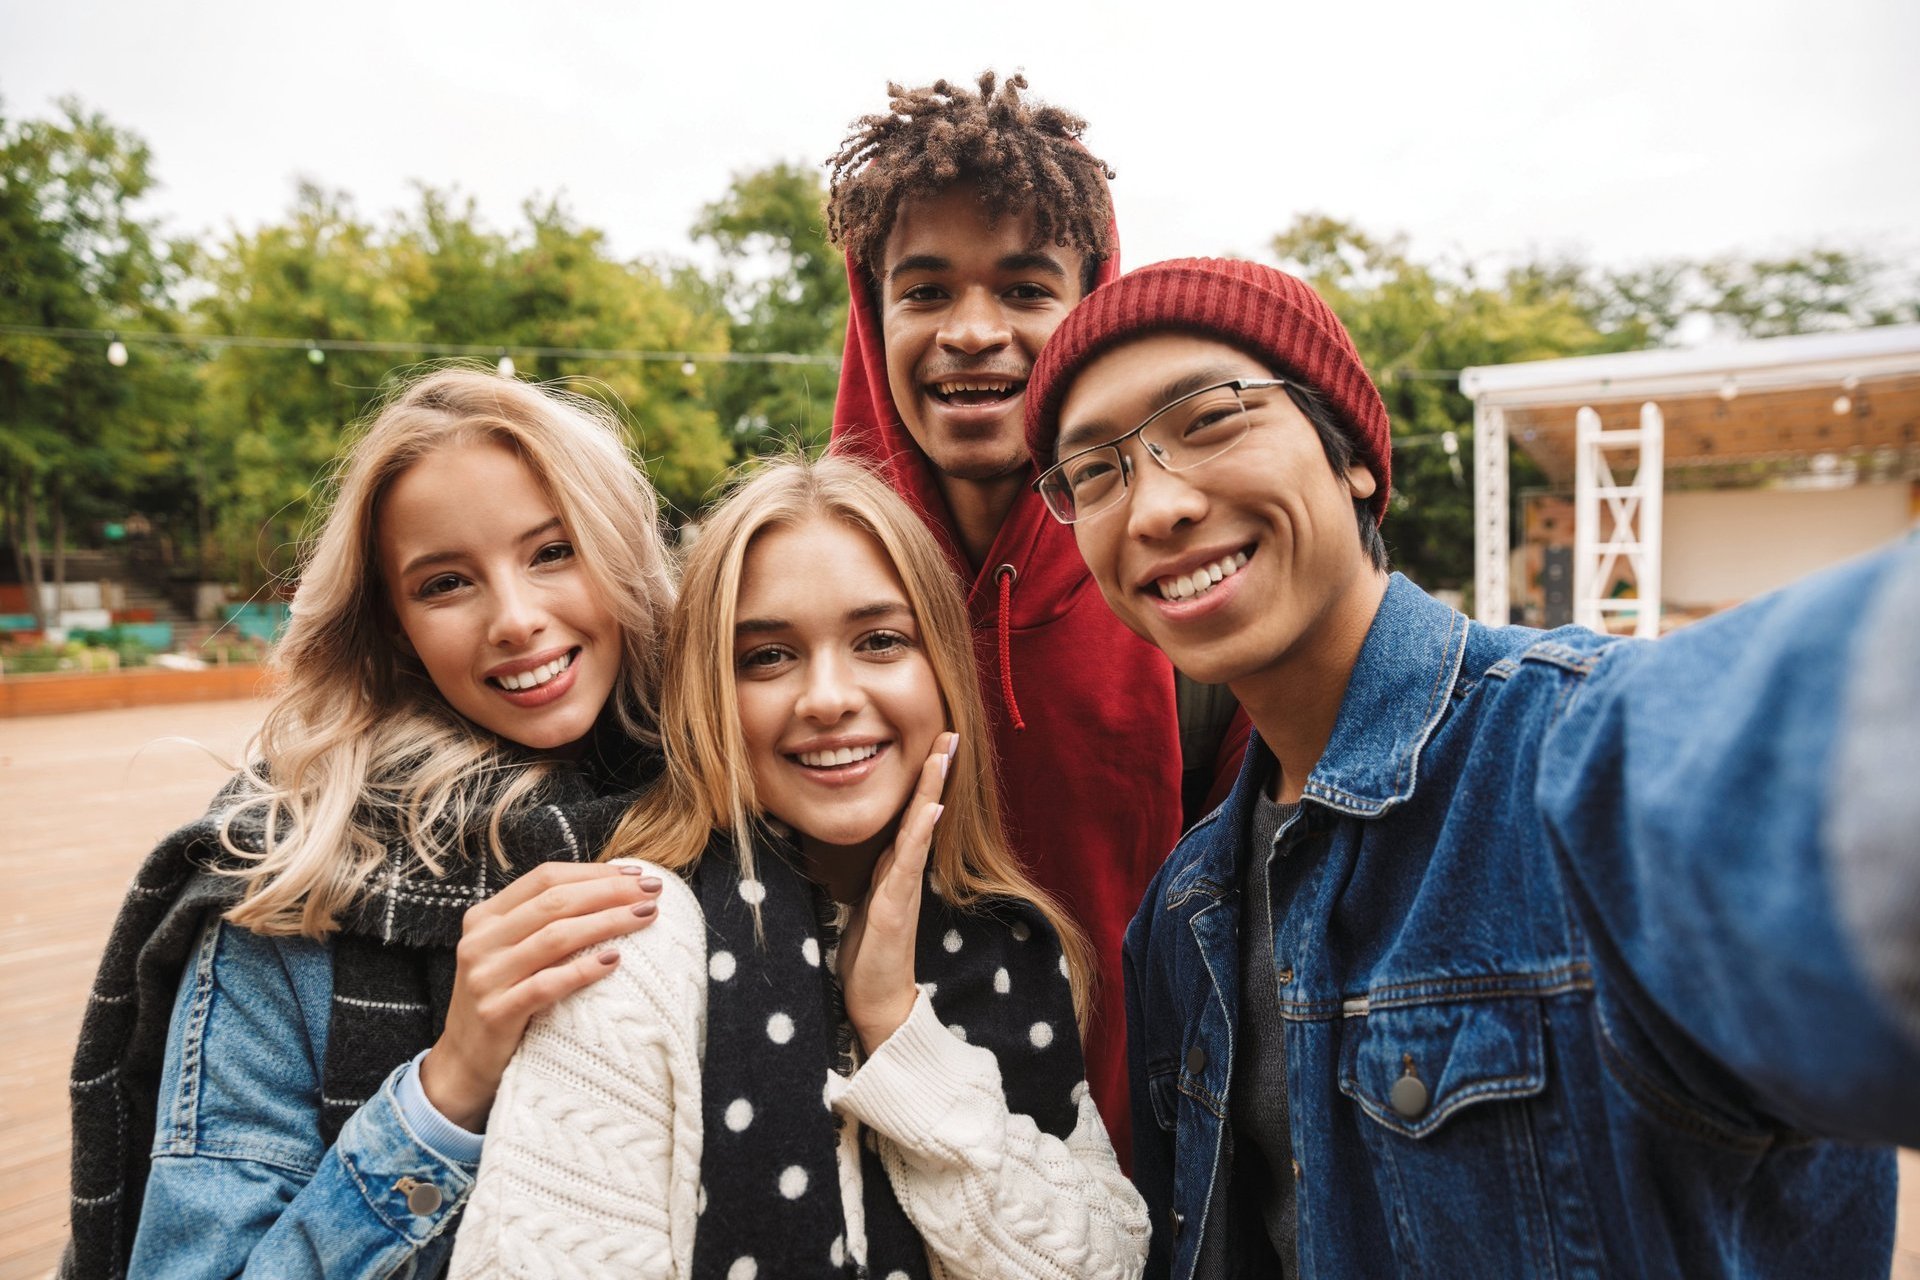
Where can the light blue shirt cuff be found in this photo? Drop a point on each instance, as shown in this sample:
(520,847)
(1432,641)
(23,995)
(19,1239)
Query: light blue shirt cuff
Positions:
(434,1129)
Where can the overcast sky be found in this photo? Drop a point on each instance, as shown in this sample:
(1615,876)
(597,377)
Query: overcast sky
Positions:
(1621,131)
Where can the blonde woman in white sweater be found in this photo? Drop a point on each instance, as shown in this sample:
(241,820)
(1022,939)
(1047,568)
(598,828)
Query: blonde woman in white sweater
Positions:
(851,1044)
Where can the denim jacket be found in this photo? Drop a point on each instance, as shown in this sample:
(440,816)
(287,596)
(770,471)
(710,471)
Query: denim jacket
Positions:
(241,1182)
(1567,983)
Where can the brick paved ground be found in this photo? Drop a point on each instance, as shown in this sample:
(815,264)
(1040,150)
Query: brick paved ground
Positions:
(84,797)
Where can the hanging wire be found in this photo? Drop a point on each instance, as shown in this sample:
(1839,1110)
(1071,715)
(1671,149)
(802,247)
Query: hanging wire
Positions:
(491,350)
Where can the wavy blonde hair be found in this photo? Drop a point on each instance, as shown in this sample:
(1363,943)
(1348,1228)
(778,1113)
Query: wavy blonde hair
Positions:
(707,784)
(359,746)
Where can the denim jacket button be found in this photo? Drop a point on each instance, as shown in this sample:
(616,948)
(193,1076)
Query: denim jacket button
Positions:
(1409,1096)
(1177,1221)
(1196,1060)
(423,1198)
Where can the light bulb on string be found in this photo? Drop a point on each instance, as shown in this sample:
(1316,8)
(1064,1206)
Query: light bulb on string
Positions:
(689,368)
(315,355)
(116,352)
(1729,389)
(505,366)
(1842,405)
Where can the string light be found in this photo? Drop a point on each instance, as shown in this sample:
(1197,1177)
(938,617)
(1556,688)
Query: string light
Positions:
(689,368)
(1729,389)
(315,355)
(117,349)
(505,367)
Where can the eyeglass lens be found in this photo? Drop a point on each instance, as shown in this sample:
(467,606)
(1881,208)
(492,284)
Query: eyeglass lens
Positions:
(1184,434)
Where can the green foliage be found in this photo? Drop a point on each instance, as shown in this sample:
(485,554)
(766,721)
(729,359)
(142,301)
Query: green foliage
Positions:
(784,289)
(274,420)
(79,439)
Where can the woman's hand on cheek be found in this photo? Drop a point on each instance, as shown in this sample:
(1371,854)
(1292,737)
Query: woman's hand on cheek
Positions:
(519,953)
(876,955)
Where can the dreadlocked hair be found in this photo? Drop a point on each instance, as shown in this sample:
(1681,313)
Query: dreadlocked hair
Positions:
(1020,156)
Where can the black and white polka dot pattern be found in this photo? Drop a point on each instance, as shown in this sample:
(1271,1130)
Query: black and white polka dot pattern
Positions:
(776,1029)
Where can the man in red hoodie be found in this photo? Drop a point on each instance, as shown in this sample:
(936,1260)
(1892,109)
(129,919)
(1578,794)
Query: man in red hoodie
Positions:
(972,224)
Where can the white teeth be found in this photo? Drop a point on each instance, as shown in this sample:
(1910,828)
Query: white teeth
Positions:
(1185,586)
(538,676)
(838,756)
(952,388)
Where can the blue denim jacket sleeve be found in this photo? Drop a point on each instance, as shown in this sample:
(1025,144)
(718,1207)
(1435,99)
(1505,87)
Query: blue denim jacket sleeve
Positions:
(242,1183)
(1698,791)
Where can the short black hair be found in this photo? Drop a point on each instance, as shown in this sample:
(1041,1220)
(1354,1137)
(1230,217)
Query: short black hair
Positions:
(1338,444)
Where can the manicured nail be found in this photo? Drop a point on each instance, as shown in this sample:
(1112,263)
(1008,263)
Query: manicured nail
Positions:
(645,909)
(631,868)
(938,810)
(953,747)
(608,957)
(650,885)
(946,764)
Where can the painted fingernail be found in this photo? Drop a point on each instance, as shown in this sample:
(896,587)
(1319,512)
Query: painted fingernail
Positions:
(631,868)
(938,810)
(651,884)
(645,909)
(946,763)
(608,957)
(953,747)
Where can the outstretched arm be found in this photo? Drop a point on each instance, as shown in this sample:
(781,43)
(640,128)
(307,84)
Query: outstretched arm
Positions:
(1736,810)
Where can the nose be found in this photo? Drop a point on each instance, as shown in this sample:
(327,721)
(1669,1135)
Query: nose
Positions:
(518,615)
(1159,501)
(830,693)
(975,323)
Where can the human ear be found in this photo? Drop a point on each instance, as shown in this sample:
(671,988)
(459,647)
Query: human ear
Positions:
(1360,481)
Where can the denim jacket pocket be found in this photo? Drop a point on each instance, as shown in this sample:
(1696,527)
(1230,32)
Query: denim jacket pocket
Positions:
(1412,1068)
(1446,1093)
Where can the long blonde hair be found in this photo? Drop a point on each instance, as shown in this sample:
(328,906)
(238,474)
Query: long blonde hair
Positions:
(359,747)
(707,784)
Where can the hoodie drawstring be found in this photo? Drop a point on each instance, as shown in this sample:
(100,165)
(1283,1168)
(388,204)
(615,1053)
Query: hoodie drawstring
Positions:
(1006,574)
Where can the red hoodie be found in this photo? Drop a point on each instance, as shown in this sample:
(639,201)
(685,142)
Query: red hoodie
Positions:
(1092,783)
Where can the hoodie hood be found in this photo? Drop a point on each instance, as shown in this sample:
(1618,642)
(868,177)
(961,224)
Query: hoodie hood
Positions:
(1046,565)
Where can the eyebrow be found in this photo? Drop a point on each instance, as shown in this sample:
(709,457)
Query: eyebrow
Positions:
(865,613)
(1095,430)
(435,557)
(1034,260)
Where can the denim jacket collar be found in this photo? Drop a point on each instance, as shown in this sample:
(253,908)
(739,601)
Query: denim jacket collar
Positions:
(1372,760)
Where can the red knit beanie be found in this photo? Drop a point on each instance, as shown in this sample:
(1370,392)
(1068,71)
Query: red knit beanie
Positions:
(1268,314)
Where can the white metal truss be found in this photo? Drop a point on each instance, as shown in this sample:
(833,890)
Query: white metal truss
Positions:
(1491,603)
(1615,523)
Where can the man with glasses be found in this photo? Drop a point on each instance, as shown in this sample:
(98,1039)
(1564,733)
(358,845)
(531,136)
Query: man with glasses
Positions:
(973,222)
(1511,953)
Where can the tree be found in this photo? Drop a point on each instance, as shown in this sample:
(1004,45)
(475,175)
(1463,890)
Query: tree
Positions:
(784,289)
(434,275)
(77,435)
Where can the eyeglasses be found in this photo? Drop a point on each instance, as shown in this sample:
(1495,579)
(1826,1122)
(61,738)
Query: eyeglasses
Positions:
(1180,435)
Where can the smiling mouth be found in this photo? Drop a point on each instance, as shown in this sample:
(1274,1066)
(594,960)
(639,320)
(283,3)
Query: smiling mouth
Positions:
(533,679)
(839,757)
(1186,586)
(973,393)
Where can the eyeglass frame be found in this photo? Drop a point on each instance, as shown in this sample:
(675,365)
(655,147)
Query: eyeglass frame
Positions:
(1239,385)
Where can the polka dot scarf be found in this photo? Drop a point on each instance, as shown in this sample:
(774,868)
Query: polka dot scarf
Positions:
(770,1188)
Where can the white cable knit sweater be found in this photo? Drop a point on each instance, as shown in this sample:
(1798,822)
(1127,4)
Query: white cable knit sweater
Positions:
(592,1164)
